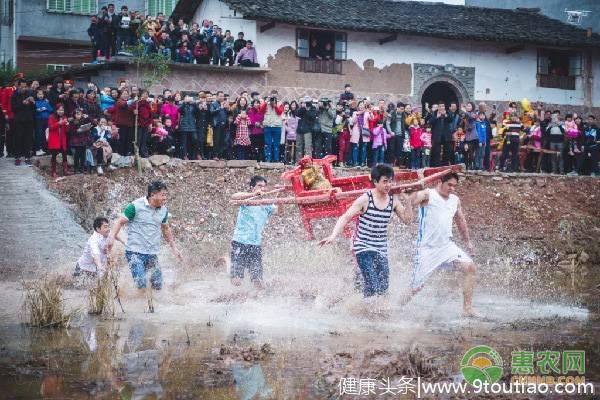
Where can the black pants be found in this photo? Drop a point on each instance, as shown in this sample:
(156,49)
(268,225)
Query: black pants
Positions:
(257,144)
(442,153)
(182,138)
(142,141)
(78,158)
(219,141)
(246,256)
(201,140)
(227,57)
(2,139)
(396,144)
(57,152)
(23,137)
(248,63)
(470,153)
(512,146)
(321,144)
(125,140)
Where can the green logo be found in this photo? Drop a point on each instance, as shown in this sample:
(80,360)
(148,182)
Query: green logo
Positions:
(481,363)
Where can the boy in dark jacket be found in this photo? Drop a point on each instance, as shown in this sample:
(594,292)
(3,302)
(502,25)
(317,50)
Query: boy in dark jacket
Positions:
(143,110)
(188,122)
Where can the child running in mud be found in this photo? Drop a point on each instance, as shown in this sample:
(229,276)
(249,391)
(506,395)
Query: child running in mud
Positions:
(370,245)
(246,250)
(95,255)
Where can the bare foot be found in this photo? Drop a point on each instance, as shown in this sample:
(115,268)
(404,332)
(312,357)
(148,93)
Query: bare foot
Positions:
(470,313)
(258,285)
(236,281)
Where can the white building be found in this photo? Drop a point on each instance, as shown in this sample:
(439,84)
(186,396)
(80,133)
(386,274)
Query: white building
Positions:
(416,51)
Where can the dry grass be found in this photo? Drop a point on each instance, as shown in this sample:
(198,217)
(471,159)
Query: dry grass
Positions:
(100,296)
(104,292)
(44,303)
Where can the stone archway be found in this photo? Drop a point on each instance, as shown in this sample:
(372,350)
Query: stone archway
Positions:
(444,87)
(459,80)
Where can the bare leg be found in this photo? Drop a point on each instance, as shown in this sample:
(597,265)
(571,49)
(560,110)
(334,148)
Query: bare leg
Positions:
(469,271)
(407,298)
(236,281)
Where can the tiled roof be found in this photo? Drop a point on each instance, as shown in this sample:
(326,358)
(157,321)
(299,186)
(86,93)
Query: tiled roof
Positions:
(420,19)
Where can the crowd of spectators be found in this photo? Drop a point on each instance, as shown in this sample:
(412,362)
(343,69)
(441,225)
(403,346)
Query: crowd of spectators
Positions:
(93,123)
(113,34)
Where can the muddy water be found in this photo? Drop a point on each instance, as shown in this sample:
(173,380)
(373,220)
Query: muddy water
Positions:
(204,341)
(209,340)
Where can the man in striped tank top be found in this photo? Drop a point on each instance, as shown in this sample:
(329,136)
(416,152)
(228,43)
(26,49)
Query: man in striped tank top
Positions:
(438,208)
(370,245)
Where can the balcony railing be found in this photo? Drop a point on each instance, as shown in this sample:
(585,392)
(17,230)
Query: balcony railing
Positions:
(320,66)
(556,81)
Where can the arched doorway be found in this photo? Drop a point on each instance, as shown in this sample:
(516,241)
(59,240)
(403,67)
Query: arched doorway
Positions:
(440,91)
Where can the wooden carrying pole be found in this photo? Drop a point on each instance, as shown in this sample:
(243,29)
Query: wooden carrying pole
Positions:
(335,194)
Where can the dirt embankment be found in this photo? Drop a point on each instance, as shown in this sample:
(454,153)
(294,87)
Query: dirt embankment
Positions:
(516,219)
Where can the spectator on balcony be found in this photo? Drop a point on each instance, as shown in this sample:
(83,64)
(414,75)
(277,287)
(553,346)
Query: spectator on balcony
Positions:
(315,50)
(122,27)
(247,56)
(201,53)
(328,53)
(184,54)
(227,49)
(239,43)
(215,42)
(164,45)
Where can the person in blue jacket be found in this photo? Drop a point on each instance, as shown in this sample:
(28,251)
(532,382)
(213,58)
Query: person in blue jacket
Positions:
(481,128)
(43,109)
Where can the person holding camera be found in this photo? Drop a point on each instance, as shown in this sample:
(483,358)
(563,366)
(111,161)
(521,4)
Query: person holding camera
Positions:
(23,107)
(441,135)
(322,138)
(308,118)
(272,123)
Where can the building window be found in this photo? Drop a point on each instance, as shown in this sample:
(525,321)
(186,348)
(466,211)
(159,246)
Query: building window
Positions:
(6,11)
(558,69)
(57,67)
(321,51)
(166,7)
(87,7)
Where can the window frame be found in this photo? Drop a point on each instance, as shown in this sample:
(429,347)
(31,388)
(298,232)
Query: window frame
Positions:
(563,82)
(336,35)
(93,9)
(160,9)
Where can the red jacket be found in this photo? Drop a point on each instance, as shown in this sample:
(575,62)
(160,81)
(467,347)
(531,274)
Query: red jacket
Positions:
(415,137)
(5,96)
(123,115)
(278,109)
(144,113)
(57,134)
(373,121)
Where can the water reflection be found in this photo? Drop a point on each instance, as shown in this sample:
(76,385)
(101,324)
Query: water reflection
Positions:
(250,381)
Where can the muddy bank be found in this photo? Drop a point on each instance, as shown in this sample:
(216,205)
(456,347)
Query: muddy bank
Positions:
(517,221)
(309,328)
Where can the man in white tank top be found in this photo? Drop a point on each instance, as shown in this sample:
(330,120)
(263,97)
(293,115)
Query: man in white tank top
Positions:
(438,208)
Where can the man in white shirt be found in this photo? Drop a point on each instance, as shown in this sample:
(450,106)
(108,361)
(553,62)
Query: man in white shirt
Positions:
(94,258)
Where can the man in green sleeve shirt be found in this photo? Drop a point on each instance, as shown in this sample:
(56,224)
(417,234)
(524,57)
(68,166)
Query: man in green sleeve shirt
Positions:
(148,223)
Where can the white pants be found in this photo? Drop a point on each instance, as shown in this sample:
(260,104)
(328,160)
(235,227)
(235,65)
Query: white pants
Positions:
(430,258)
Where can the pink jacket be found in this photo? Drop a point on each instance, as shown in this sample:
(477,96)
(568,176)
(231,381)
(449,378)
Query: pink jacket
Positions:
(379,137)
(171,111)
(356,132)
(255,116)
(291,125)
